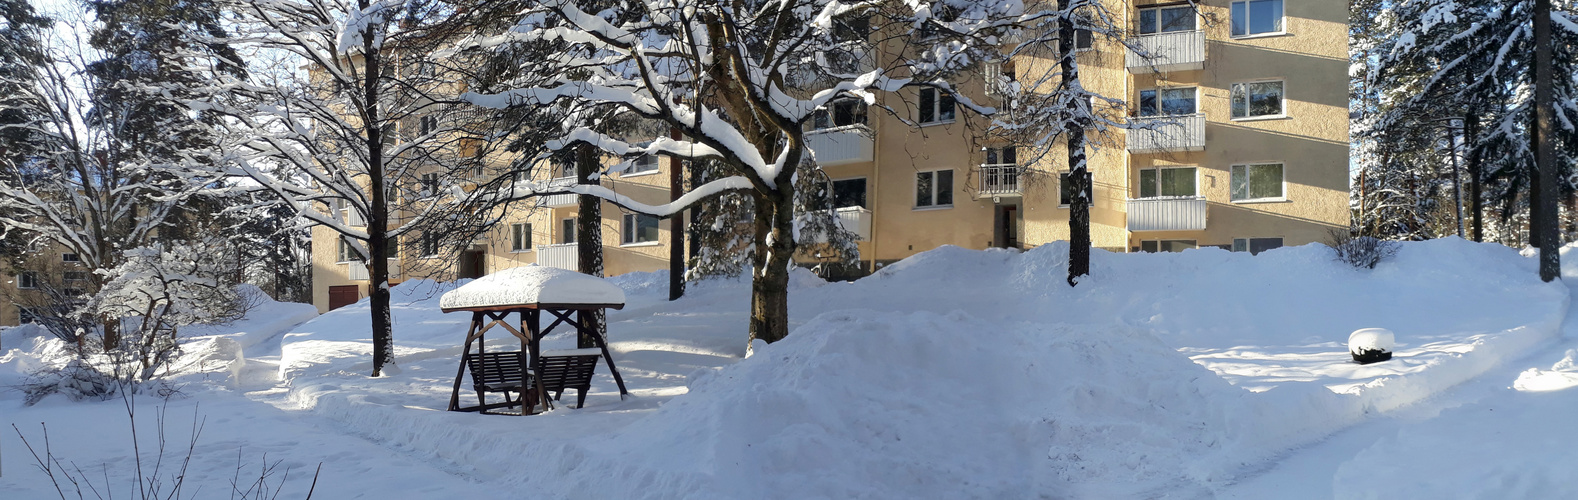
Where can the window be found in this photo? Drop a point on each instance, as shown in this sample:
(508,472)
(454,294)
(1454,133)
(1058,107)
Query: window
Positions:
(1007,155)
(1257,99)
(1082,39)
(1255,245)
(27,280)
(998,74)
(646,163)
(1065,195)
(567,230)
(70,257)
(429,244)
(849,193)
(429,124)
(76,275)
(941,13)
(520,237)
(855,28)
(393,252)
(934,189)
(345,252)
(1167,102)
(1156,182)
(1257,17)
(72,292)
(1155,246)
(1167,19)
(935,106)
(26,315)
(429,184)
(839,113)
(1257,182)
(640,228)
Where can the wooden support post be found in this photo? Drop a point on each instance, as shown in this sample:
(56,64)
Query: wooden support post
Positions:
(608,357)
(454,396)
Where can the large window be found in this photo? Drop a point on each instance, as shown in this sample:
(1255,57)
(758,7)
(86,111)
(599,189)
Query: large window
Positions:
(644,164)
(1167,19)
(1257,17)
(1065,191)
(1257,182)
(1156,182)
(1257,99)
(1154,246)
(934,189)
(640,228)
(1007,155)
(849,192)
(520,237)
(344,252)
(839,113)
(1175,101)
(1255,245)
(27,279)
(936,106)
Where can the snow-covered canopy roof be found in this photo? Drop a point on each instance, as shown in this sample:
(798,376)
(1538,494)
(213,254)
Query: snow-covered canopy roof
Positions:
(533,286)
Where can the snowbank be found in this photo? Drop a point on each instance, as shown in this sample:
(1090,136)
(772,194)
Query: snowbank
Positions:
(532,284)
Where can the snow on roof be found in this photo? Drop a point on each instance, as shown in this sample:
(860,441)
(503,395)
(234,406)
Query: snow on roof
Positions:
(532,285)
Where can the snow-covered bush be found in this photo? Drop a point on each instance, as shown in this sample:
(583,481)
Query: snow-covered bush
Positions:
(1362,252)
(77,380)
(155,291)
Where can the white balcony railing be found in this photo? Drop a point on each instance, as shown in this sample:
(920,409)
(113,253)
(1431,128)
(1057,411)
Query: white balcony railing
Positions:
(358,271)
(1174,213)
(1167,133)
(561,200)
(1173,51)
(1002,179)
(856,220)
(562,256)
(841,145)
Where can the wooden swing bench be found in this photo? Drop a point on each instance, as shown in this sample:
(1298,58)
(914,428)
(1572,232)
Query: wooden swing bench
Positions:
(500,372)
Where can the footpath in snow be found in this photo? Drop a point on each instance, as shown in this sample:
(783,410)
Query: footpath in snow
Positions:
(952,374)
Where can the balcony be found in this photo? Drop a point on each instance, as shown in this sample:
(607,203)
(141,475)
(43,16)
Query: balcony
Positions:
(856,220)
(1177,213)
(841,145)
(1167,133)
(562,256)
(1001,179)
(358,271)
(561,200)
(1174,51)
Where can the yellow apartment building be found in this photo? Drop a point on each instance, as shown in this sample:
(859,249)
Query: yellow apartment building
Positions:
(1254,156)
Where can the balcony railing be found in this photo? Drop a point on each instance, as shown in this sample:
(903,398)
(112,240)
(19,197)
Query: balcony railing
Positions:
(1001,179)
(856,220)
(1173,51)
(562,256)
(358,271)
(1174,213)
(1167,133)
(561,200)
(841,145)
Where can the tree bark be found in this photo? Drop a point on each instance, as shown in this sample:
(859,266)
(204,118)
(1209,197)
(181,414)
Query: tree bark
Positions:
(589,241)
(775,248)
(1078,175)
(676,233)
(378,212)
(1544,154)
(1475,203)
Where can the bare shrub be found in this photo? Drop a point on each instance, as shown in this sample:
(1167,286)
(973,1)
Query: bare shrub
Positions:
(1362,252)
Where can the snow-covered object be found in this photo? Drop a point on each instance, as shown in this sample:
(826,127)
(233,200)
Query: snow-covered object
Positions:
(532,285)
(1369,345)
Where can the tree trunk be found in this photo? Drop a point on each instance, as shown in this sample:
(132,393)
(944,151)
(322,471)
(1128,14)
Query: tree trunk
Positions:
(676,233)
(589,241)
(775,248)
(1475,203)
(1544,154)
(378,212)
(1078,175)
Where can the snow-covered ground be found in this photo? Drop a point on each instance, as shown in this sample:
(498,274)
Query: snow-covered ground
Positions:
(953,374)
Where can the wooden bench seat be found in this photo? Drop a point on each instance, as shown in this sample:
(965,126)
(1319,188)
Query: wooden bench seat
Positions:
(501,372)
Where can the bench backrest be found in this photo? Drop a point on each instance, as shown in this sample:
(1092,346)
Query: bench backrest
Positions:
(495,368)
(558,372)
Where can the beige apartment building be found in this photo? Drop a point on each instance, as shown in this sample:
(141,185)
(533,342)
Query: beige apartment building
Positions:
(1254,156)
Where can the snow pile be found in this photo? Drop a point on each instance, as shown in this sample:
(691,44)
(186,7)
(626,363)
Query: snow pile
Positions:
(532,284)
(1371,339)
(1562,375)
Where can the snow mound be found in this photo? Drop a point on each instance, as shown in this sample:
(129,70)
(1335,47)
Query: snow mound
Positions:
(863,404)
(532,284)
(1371,339)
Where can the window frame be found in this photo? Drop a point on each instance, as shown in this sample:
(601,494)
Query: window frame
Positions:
(67,276)
(1232,109)
(520,237)
(1249,245)
(1062,182)
(567,230)
(638,166)
(630,230)
(865,193)
(938,96)
(429,245)
(1283,186)
(74,258)
(952,177)
(1139,12)
(1156,93)
(22,279)
(428,185)
(1282,22)
(1140,183)
(1158,244)
(344,253)
(826,116)
(427,124)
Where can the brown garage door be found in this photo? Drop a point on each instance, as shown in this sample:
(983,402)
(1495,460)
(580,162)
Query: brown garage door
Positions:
(341,296)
